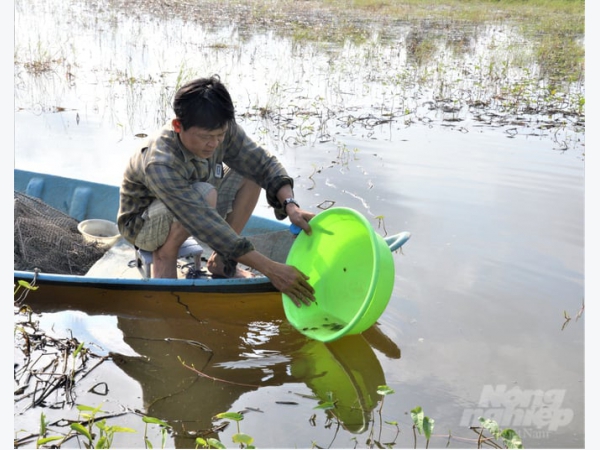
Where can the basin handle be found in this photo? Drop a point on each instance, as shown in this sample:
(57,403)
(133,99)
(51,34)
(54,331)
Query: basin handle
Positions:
(397,240)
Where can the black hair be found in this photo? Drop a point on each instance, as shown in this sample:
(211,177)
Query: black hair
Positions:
(204,103)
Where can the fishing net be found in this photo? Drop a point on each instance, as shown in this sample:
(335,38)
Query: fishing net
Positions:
(48,240)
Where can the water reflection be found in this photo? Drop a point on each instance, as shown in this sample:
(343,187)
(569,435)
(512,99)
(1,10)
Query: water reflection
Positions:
(497,217)
(195,356)
(346,372)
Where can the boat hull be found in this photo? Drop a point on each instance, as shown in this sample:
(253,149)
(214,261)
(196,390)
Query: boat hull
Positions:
(257,284)
(84,200)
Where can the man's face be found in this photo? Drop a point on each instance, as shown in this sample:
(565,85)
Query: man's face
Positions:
(200,141)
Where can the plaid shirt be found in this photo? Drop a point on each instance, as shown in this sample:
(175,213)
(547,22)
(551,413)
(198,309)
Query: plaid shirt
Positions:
(164,169)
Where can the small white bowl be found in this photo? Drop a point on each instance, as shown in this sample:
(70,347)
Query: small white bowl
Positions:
(103,232)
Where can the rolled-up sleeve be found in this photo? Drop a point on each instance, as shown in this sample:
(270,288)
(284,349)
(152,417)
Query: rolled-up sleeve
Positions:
(254,162)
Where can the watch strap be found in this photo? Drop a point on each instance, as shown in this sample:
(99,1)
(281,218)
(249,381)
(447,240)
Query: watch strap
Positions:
(287,201)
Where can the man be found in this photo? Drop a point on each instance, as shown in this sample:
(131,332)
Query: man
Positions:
(201,176)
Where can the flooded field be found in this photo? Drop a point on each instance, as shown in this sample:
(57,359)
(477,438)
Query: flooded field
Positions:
(458,131)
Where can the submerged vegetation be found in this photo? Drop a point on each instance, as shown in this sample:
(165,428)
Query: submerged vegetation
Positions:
(554,27)
(500,64)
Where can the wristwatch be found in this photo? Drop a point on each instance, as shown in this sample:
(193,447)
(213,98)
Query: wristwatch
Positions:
(287,201)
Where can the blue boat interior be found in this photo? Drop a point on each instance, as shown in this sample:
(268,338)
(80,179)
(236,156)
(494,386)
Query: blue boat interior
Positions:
(83,200)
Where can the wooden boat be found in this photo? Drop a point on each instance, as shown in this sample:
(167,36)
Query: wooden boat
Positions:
(120,267)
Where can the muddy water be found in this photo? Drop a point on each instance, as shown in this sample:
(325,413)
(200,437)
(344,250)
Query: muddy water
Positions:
(494,201)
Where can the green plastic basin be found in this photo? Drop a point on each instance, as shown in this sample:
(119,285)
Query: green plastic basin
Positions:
(351,269)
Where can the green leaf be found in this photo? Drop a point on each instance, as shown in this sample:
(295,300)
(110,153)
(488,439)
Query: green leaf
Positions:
(118,429)
(201,441)
(490,425)
(325,405)
(43,424)
(45,440)
(89,408)
(25,284)
(384,390)
(78,428)
(241,438)
(428,427)
(511,439)
(215,443)
(417,417)
(230,415)
(102,442)
(76,352)
(155,421)
(148,443)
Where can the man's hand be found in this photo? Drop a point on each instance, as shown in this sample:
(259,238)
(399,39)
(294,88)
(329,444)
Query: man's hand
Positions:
(300,217)
(287,279)
(293,283)
(297,215)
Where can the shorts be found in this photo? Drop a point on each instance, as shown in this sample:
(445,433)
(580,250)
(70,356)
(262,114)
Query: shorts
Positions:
(158,218)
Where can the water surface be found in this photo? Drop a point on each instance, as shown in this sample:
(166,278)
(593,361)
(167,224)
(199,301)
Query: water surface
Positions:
(494,202)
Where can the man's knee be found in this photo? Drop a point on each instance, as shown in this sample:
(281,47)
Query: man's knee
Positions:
(211,198)
(207,191)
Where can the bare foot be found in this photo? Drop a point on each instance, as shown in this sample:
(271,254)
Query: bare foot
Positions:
(216,267)
(243,273)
